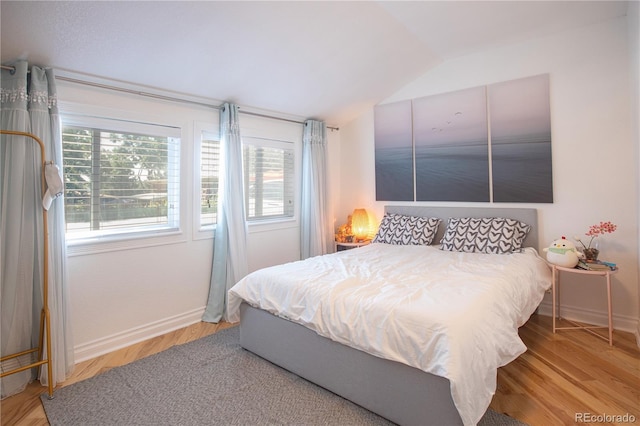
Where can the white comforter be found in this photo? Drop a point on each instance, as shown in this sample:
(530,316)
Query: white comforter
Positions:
(455,315)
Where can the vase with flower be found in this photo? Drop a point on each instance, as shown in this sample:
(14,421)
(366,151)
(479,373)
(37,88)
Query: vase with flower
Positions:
(590,250)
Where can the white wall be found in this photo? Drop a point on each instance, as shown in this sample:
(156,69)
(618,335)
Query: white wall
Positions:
(594,152)
(123,295)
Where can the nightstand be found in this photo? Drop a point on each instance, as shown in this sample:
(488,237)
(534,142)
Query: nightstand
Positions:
(555,289)
(348,246)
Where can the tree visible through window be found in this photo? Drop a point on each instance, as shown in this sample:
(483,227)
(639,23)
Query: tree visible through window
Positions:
(118,182)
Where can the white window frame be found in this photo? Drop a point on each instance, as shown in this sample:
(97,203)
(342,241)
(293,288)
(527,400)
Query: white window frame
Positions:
(284,131)
(212,130)
(277,144)
(74,114)
(278,132)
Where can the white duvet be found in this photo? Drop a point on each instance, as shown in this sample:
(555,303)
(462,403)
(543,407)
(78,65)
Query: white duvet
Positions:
(455,315)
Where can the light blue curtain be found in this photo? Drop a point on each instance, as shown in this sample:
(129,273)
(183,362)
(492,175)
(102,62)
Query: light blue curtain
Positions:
(29,105)
(230,240)
(313,217)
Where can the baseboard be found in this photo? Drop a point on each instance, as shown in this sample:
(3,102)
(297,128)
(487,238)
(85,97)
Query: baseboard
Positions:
(129,337)
(589,316)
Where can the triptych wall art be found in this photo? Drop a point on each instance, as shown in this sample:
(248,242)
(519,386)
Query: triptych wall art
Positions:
(484,144)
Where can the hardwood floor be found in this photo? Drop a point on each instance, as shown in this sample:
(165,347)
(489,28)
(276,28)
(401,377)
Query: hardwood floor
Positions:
(568,373)
(559,376)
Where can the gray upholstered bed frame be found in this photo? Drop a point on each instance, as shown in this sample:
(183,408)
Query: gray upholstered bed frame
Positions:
(402,394)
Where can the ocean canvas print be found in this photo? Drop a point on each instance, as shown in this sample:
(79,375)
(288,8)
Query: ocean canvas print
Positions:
(394,152)
(484,144)
(451,146)
(520,120)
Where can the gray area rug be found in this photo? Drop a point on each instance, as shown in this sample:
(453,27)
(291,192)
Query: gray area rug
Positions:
(211,381)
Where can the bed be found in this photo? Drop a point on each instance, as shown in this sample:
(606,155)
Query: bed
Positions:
(412,332)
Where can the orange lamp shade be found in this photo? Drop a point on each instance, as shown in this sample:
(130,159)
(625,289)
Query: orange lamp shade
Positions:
(360,224)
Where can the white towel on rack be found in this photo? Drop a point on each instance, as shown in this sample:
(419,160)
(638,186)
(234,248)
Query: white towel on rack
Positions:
(55,187)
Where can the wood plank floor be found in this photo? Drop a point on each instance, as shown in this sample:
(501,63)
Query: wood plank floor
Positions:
(560,375)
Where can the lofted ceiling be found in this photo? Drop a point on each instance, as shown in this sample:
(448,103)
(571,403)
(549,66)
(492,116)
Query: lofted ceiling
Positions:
(327,60)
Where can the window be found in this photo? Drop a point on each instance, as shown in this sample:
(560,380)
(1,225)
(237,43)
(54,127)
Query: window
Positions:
(209,173)
(268,178)
(269,166)
(120,177)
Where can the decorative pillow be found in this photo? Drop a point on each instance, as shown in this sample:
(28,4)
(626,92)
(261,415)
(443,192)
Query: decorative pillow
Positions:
(400,229)
(484,235)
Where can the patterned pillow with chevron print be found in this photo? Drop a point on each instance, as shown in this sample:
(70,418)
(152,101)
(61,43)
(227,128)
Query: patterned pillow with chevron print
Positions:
(484,235)
(398,229)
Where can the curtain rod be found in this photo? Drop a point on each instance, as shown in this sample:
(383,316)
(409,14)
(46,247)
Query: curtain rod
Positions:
(8,68)
(161,97)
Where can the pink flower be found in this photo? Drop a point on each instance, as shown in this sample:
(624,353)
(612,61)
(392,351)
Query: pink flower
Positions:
(597,230)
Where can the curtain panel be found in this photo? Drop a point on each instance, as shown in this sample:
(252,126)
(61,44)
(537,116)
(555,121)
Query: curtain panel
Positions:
(230,240)
(28,103)
(313,215)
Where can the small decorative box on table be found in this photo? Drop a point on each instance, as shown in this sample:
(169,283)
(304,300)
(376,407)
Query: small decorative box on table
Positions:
(606,274)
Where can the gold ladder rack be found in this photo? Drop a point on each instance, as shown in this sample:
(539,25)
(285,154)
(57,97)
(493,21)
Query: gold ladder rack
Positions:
(45,319)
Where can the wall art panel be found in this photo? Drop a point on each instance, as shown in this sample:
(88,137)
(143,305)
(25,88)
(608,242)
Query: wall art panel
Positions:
(520,120)
(451,146)
(394,152)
